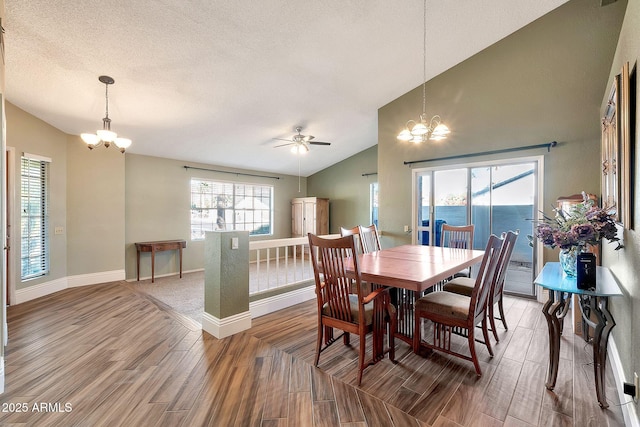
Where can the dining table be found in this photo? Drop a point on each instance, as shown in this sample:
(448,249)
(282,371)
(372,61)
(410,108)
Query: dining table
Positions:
(411,270)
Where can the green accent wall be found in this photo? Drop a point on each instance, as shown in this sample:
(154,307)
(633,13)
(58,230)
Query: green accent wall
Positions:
(346,189)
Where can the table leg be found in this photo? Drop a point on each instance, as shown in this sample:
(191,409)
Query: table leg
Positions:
(554,311)
(599,307)
(153,263)
(138,263)
(180,250)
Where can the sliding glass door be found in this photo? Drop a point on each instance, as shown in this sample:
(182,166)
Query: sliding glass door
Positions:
(495,197)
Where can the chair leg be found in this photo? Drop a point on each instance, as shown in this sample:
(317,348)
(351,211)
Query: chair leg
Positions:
(363,345)
(492,320)
(485,333)
(319,342)
(472,350)
(502,316)
(346,338)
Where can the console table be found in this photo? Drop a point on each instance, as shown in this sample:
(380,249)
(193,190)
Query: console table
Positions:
(594,301)
(158,246)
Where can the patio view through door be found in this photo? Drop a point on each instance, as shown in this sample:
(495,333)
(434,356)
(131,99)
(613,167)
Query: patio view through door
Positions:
(495,197)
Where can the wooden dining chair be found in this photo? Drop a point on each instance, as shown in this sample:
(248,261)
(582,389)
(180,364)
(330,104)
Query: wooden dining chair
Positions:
(369,238)
(464,285)
(358,313)
(455,313)
(458,236)
(353,231)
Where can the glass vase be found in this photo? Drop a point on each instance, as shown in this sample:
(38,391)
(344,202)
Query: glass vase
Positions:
(569,259)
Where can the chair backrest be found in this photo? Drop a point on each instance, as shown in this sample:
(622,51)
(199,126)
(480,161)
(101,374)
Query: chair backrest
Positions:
(332,290)
(355,232)
(509,242)
(486,276)
(457,236)
(369,238)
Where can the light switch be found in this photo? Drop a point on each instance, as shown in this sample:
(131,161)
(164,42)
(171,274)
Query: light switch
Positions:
(234,243)
(58,230)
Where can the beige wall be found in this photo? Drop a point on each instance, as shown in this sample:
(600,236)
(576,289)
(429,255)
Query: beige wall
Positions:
(346,189)
(158,204)
(26,133)
(95,209)
(625,263)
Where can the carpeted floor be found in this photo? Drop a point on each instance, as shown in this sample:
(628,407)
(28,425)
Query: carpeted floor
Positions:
(186,295)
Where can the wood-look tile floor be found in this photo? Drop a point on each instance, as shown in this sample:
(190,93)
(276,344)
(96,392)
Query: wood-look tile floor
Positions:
(106,355)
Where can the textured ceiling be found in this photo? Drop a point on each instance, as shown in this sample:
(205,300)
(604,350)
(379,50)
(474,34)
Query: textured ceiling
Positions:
(215,81)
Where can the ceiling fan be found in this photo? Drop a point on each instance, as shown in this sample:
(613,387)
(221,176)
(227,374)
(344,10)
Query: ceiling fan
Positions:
(300,143)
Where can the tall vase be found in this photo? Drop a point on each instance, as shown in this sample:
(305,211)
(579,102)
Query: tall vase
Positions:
(569,259)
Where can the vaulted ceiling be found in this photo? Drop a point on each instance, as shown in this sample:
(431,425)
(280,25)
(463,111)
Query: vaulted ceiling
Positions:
(215,81)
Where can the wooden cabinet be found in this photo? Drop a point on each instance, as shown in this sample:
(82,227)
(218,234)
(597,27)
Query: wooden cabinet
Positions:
(309,215)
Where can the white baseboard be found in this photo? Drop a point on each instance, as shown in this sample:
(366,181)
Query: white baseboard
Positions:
(222,328)
(40,290)
(628,409)
(47,288)
(278,302)
(95,278)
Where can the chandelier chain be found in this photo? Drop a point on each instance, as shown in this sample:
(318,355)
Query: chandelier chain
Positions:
(424,63)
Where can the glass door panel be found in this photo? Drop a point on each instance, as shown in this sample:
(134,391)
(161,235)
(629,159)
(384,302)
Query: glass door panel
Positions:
(495,198)
(513,206)
(450,199)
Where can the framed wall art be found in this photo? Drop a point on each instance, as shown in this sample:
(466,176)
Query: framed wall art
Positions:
(616,149)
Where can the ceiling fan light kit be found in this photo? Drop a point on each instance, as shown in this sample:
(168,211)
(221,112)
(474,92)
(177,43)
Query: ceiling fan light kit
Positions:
(300,143)
(105,135)
(426,129)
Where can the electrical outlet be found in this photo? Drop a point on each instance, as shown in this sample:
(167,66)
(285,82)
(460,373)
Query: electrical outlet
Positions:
(637,384)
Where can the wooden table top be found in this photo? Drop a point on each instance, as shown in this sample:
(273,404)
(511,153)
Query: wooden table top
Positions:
(162,244)
(414,267)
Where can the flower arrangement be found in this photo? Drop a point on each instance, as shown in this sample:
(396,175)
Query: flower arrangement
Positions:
(583,224)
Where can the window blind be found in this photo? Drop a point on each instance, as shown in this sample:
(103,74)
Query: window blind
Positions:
(34,217)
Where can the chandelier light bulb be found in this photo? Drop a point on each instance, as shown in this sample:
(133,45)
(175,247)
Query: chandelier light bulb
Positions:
(405,135)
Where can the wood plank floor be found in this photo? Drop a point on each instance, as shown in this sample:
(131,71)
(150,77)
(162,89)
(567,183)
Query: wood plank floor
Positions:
(108,355)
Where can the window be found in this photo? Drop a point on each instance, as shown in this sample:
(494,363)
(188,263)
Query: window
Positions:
(230,206)
(34,224)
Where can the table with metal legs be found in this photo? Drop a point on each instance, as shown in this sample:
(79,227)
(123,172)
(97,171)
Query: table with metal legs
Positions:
(594,302)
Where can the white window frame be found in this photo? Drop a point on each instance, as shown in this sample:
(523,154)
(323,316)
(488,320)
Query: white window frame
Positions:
(235,218)
(34,224)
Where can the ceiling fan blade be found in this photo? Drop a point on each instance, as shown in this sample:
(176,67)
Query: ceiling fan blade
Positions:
(319,143)
(308,138)
(284,145)
(282,139)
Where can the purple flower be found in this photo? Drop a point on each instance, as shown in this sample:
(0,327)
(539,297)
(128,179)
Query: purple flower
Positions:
(565,239)
(585,232)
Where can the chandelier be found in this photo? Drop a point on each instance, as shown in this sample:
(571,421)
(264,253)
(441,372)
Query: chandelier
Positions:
(426,129)
(105,135)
